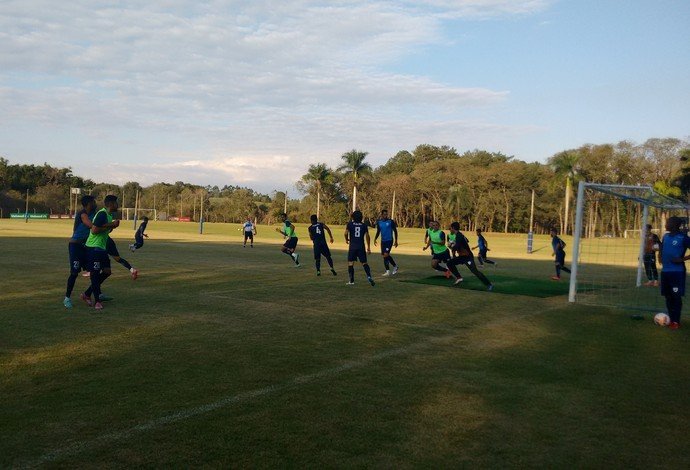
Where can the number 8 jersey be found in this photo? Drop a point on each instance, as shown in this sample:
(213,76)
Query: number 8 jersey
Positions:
(357,231)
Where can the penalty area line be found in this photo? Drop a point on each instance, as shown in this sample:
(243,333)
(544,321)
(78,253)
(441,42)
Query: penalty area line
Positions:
(296,382)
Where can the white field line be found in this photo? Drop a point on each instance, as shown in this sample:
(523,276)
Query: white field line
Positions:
(296,382)
(338,314)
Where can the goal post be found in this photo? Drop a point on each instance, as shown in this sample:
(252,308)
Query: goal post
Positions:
(609,241)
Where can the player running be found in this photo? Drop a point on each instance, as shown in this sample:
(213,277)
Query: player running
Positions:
(249,232)
(388,230)
(461,248)
(436,239)
(483,248)
(77,250)
(356,233)
(140,235)
(96,245)
(290,244)
(317,234)
(558,246)
(111,248)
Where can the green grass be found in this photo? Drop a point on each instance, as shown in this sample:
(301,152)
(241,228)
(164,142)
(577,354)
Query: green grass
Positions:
(300,371)
(503,284)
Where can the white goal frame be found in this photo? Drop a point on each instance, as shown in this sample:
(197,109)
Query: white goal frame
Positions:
(644,195)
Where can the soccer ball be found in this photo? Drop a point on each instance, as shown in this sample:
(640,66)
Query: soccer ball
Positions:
(662,319)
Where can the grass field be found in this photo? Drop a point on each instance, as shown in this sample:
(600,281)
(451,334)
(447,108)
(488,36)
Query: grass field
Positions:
(221,356)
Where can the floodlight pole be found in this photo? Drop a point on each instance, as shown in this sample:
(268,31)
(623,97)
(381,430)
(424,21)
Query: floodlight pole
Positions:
(643,242)
(26,211)
(530,235)
(577,235)
(201,213)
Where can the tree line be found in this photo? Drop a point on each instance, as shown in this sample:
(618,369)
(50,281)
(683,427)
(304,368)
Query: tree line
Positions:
(480,189)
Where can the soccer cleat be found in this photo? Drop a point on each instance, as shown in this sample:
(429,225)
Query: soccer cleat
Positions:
(318,273)
(458,281)
(297,259)
(98,306)
(386,274)
(334,273)
(490,288)
(86,299)
(132,249)
(371,281)
(67,302)
(674,325)
(251,246)
(135,273)
(555,278)
(448,274)
(349,283)
(104,298)
(395,270)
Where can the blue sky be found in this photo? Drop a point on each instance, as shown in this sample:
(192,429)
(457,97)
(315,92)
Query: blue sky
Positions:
(252,92)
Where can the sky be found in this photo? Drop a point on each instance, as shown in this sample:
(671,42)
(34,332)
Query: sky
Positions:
(250,93)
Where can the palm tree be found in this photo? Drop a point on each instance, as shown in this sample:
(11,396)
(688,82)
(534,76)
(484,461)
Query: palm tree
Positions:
(317,175)
(355,167)
(565,164)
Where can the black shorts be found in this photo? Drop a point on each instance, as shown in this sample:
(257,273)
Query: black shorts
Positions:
(111,247)
(482,253)
(78,257)
(672,283)
(98,259)
(386,247)
(442,257)
(291,243)
(321,249)
(355,254)
(139,240)
(248,236)
(560,257)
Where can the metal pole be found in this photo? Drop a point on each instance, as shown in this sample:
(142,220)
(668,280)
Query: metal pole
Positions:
(577,235)
(530,235)
(201,213)
(26,211)
(643,240)
(393,207)
(285,207)
(136,205)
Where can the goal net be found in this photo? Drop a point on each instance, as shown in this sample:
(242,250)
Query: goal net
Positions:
(610,242)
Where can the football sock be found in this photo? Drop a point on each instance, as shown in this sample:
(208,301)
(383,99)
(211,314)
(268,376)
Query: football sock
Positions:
(318,264)
(70,284)
(454,270)
(558,270)
(367,270)
(351,272)
(565,269)
(440,268)
(124,263)
(330,261)
(386,263)
(391,261)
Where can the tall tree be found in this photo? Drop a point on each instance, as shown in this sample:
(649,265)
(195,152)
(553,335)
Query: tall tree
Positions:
(316,176)
(565,164)
(354,167)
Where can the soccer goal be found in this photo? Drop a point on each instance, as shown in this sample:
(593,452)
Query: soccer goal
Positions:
(609,244)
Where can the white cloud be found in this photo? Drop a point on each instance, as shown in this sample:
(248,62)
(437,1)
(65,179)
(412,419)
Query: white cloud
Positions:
(259,78)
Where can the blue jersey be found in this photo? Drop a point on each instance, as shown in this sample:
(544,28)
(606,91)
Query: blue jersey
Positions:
(481,243)
(357,231)
(557,244)
(81,231)
(673,246)
(386,228)
(141,229)
(248,226)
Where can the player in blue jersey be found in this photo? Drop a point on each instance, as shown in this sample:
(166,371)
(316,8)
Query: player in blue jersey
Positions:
(290,245)
(388,230)
(357,237)
(140,235)
(483,249)
(317,234)
(558,247)
(249,231)
(463,255)
(77,250)
(672,256)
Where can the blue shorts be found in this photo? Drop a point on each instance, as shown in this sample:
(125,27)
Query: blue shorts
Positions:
(98,259)
(386,246)
(291,243)
(355,254)
(672,283)
(560,257)
(78,257)
(321,249)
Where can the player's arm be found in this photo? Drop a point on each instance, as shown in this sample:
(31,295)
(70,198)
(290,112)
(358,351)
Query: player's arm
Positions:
(281,232)
(311,234)
(378,232)
(368,240)
(86,220)
(395,233)
(101,224)
(347,236)
(328,229)
(254,228)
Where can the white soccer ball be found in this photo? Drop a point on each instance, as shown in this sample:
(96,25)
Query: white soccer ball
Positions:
(662,319)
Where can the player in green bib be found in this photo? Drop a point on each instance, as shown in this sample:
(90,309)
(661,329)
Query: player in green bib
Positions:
(97,249)
(290,245)
(436,239)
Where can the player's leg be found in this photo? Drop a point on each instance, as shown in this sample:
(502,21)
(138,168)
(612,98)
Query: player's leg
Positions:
(351,273)
(365,265)
(251,239)
(326,252)
(76,258)
(317,259)
(113,251)
(473,269)
(485,259)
